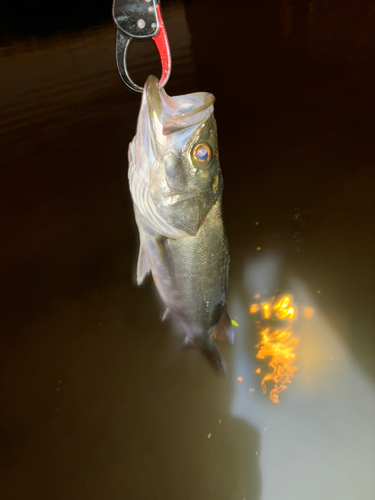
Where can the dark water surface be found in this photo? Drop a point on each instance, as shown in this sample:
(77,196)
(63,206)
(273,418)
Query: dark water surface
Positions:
(97,402)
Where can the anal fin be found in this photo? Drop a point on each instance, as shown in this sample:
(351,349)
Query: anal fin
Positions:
(223,330)
(143,267)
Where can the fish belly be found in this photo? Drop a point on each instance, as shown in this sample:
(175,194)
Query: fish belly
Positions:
(190,273)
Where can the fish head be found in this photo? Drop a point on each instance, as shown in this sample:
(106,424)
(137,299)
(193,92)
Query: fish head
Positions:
(176,144)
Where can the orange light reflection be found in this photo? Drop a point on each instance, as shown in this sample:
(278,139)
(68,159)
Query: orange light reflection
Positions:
(283,309)
(278,344)
(308,312)
(266,310)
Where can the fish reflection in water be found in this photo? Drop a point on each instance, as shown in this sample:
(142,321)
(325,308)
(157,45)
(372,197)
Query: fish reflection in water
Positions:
(276,343)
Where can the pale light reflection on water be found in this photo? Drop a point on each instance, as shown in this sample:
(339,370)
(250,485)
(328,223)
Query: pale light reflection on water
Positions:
(320,438)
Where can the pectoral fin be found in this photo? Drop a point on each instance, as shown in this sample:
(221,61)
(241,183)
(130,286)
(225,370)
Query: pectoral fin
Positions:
(143,267)
(166,314)
(223,330)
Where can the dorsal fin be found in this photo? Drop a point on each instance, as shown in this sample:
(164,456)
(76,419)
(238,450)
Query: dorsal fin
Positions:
(166,314)
(223,330)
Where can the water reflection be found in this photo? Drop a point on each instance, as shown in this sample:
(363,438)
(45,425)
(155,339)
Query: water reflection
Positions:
(276,342)
(329,30)
(322,430)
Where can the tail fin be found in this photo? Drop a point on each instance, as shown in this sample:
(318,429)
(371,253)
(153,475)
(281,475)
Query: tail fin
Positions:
(210,351)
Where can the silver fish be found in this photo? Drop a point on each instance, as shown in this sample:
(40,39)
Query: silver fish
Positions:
(176,186)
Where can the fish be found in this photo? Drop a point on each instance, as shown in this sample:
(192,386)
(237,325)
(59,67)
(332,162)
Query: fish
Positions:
(176,186)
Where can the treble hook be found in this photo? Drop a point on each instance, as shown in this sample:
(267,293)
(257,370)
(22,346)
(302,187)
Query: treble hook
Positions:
(140,19)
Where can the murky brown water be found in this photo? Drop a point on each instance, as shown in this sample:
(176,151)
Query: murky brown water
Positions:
(97,401)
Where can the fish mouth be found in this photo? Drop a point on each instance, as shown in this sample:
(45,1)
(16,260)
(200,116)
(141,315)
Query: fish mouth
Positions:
(180,112)
(153,98)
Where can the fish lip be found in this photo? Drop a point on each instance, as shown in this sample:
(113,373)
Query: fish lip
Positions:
(176,121)
(192,117)
(208,100)
(153,97)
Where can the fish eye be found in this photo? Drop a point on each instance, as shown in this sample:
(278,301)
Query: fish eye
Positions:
(202,155)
